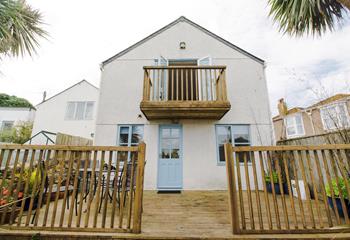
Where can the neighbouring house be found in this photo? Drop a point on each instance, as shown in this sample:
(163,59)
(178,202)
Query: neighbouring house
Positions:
(326,116)
(10,116)
(72,111)
(184,91)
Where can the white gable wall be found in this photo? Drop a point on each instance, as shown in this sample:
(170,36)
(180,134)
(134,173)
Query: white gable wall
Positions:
(121,93)
(16,115)
(50,115)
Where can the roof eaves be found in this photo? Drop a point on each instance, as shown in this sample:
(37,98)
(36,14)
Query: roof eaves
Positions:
(182,19)
(67,90)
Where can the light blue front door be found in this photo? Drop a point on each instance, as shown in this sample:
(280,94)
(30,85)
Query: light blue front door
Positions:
(170,157)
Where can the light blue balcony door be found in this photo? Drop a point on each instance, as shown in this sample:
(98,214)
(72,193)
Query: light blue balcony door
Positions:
(170,157)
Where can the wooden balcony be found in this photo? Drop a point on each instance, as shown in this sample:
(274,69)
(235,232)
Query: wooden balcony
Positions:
(184,92)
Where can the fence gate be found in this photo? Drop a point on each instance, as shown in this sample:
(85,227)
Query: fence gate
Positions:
(71,188)
(289,189)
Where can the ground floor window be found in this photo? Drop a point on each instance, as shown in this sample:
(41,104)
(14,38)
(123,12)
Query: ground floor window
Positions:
(237,135)
(129,135)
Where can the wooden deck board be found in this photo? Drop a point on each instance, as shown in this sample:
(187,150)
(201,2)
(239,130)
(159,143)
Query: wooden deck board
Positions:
(189,215)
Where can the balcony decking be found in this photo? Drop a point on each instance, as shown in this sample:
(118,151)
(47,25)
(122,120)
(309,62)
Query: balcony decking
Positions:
(189,215)
(186,92)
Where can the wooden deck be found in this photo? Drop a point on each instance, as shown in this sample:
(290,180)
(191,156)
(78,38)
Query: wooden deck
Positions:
(189,215)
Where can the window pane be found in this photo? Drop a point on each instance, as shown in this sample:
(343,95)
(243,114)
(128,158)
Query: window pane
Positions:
(165,132)
(89,110)
(241,138)
(70,110)
(300,130)
(79,113)
(165,153)
(166,143)
(224,134)
(343,118)
(175,143)
(289,122)
(329,116)
(123,135)
(175,132)
(221,153)
(298,119)
(175,153)
(291,131)
(7,125)
(137,134)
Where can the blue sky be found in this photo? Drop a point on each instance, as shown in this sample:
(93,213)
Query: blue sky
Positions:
(84,33)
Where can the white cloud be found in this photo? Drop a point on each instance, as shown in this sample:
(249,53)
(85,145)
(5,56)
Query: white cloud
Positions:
(84,33)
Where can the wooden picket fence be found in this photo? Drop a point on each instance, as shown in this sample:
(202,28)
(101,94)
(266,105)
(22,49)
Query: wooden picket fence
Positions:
(72,188)
(289,189)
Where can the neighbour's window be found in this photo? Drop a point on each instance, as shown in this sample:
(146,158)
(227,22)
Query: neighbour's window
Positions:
(79,110)
(294,125)
(335,116)
(7,125)
(129,135)
(238,135)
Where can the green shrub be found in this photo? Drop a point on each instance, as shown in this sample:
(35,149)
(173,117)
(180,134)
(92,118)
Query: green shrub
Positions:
(342,188)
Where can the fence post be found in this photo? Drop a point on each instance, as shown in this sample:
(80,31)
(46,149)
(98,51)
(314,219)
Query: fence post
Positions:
(231,184)
(139,188)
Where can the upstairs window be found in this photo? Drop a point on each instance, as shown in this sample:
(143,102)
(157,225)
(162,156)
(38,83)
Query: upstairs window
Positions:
(79,110)
(335,116)
(294,125)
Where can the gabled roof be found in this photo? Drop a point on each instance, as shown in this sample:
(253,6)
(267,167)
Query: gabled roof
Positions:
(182,19)
(330,100)
(82,81)
(323,102)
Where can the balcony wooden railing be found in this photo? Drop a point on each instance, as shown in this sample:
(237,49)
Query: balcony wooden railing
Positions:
(289,189)
(184,92)
(71,188)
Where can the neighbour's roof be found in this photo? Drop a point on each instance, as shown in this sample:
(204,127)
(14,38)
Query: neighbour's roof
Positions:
(183,19)
(330,99)
(323,102)
(290,111)
(82,81)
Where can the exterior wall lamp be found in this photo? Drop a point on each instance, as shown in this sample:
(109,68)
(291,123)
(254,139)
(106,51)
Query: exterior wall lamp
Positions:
(182,45)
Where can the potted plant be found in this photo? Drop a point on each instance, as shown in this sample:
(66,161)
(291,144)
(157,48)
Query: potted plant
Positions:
(274,182)
(344,192)
(30,188)
(7,197)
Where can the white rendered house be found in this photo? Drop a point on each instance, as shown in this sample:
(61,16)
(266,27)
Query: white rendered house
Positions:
(72,111)
(184,91)
(10,116)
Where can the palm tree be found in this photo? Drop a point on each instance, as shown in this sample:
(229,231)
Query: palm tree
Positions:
(20,28)
(298,17)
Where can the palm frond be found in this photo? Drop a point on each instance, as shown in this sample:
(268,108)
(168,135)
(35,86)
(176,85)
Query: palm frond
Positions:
(20,28)
(310,17)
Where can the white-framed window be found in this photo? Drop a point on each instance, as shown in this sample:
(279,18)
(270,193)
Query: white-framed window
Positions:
(335,116)
(7,125)
(79,110)
(294,125)
(129,135)
(238,135)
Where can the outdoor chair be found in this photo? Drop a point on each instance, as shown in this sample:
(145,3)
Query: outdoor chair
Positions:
(55,190)
(114,174)
(128,187)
